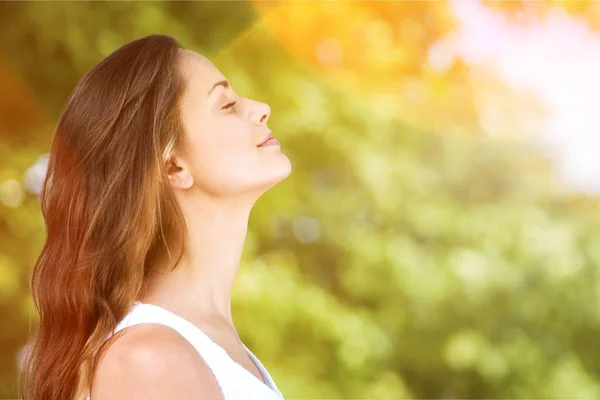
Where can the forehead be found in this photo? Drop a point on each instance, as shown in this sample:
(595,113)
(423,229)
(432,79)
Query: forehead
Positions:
(200,74)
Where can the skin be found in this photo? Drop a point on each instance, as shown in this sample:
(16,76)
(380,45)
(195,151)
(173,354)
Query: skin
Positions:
(217,178)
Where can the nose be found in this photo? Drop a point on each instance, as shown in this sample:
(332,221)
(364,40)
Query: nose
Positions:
(260,113)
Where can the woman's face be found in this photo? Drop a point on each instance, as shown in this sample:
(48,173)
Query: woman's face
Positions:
(222,130)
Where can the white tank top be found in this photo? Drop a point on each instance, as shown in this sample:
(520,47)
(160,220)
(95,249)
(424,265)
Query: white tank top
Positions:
(236,382)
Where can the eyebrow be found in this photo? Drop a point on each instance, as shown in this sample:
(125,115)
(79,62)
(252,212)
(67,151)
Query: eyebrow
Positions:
(224,83)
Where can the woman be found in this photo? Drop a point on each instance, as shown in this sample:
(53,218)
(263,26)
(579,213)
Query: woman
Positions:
(155,165)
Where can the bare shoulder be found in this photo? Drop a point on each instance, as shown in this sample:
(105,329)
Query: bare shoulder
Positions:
(152,362)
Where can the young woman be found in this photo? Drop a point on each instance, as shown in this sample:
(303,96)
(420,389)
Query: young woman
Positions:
(155,165)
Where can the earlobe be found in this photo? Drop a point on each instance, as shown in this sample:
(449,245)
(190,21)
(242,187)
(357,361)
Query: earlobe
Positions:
(181,180)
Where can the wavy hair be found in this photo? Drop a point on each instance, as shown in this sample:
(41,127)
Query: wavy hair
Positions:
(108,209)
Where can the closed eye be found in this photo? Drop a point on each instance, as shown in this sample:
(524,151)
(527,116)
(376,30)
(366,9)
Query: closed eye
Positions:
(229,106)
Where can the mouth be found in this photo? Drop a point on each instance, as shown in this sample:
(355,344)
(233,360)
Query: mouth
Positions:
(269,140)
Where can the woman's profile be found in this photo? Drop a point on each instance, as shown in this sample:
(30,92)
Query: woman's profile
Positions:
(155,165)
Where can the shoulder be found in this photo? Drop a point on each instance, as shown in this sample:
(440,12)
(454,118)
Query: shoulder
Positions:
(152,361)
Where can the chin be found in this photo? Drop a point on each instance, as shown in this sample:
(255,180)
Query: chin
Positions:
(286,167)
(276,173)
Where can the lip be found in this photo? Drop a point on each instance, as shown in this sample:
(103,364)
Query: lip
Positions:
(269,138)
(270,142)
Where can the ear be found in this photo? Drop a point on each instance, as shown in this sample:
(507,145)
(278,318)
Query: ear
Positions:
(178,172)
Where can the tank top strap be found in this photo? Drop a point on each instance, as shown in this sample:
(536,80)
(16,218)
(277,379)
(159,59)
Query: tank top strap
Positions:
(234,381)
(142,313)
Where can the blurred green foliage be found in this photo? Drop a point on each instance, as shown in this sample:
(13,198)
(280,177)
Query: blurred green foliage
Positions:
(398,260)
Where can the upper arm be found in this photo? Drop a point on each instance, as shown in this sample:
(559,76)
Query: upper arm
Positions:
(152,362)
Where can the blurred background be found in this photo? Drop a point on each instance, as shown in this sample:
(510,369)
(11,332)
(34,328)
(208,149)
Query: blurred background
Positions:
(439,236)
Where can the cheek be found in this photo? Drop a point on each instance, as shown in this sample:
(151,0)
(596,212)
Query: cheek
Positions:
(231,142)
(225,157)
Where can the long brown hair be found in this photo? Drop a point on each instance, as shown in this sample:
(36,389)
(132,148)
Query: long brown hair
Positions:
(108,209)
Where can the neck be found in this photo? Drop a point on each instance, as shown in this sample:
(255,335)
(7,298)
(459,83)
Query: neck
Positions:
(202,282)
